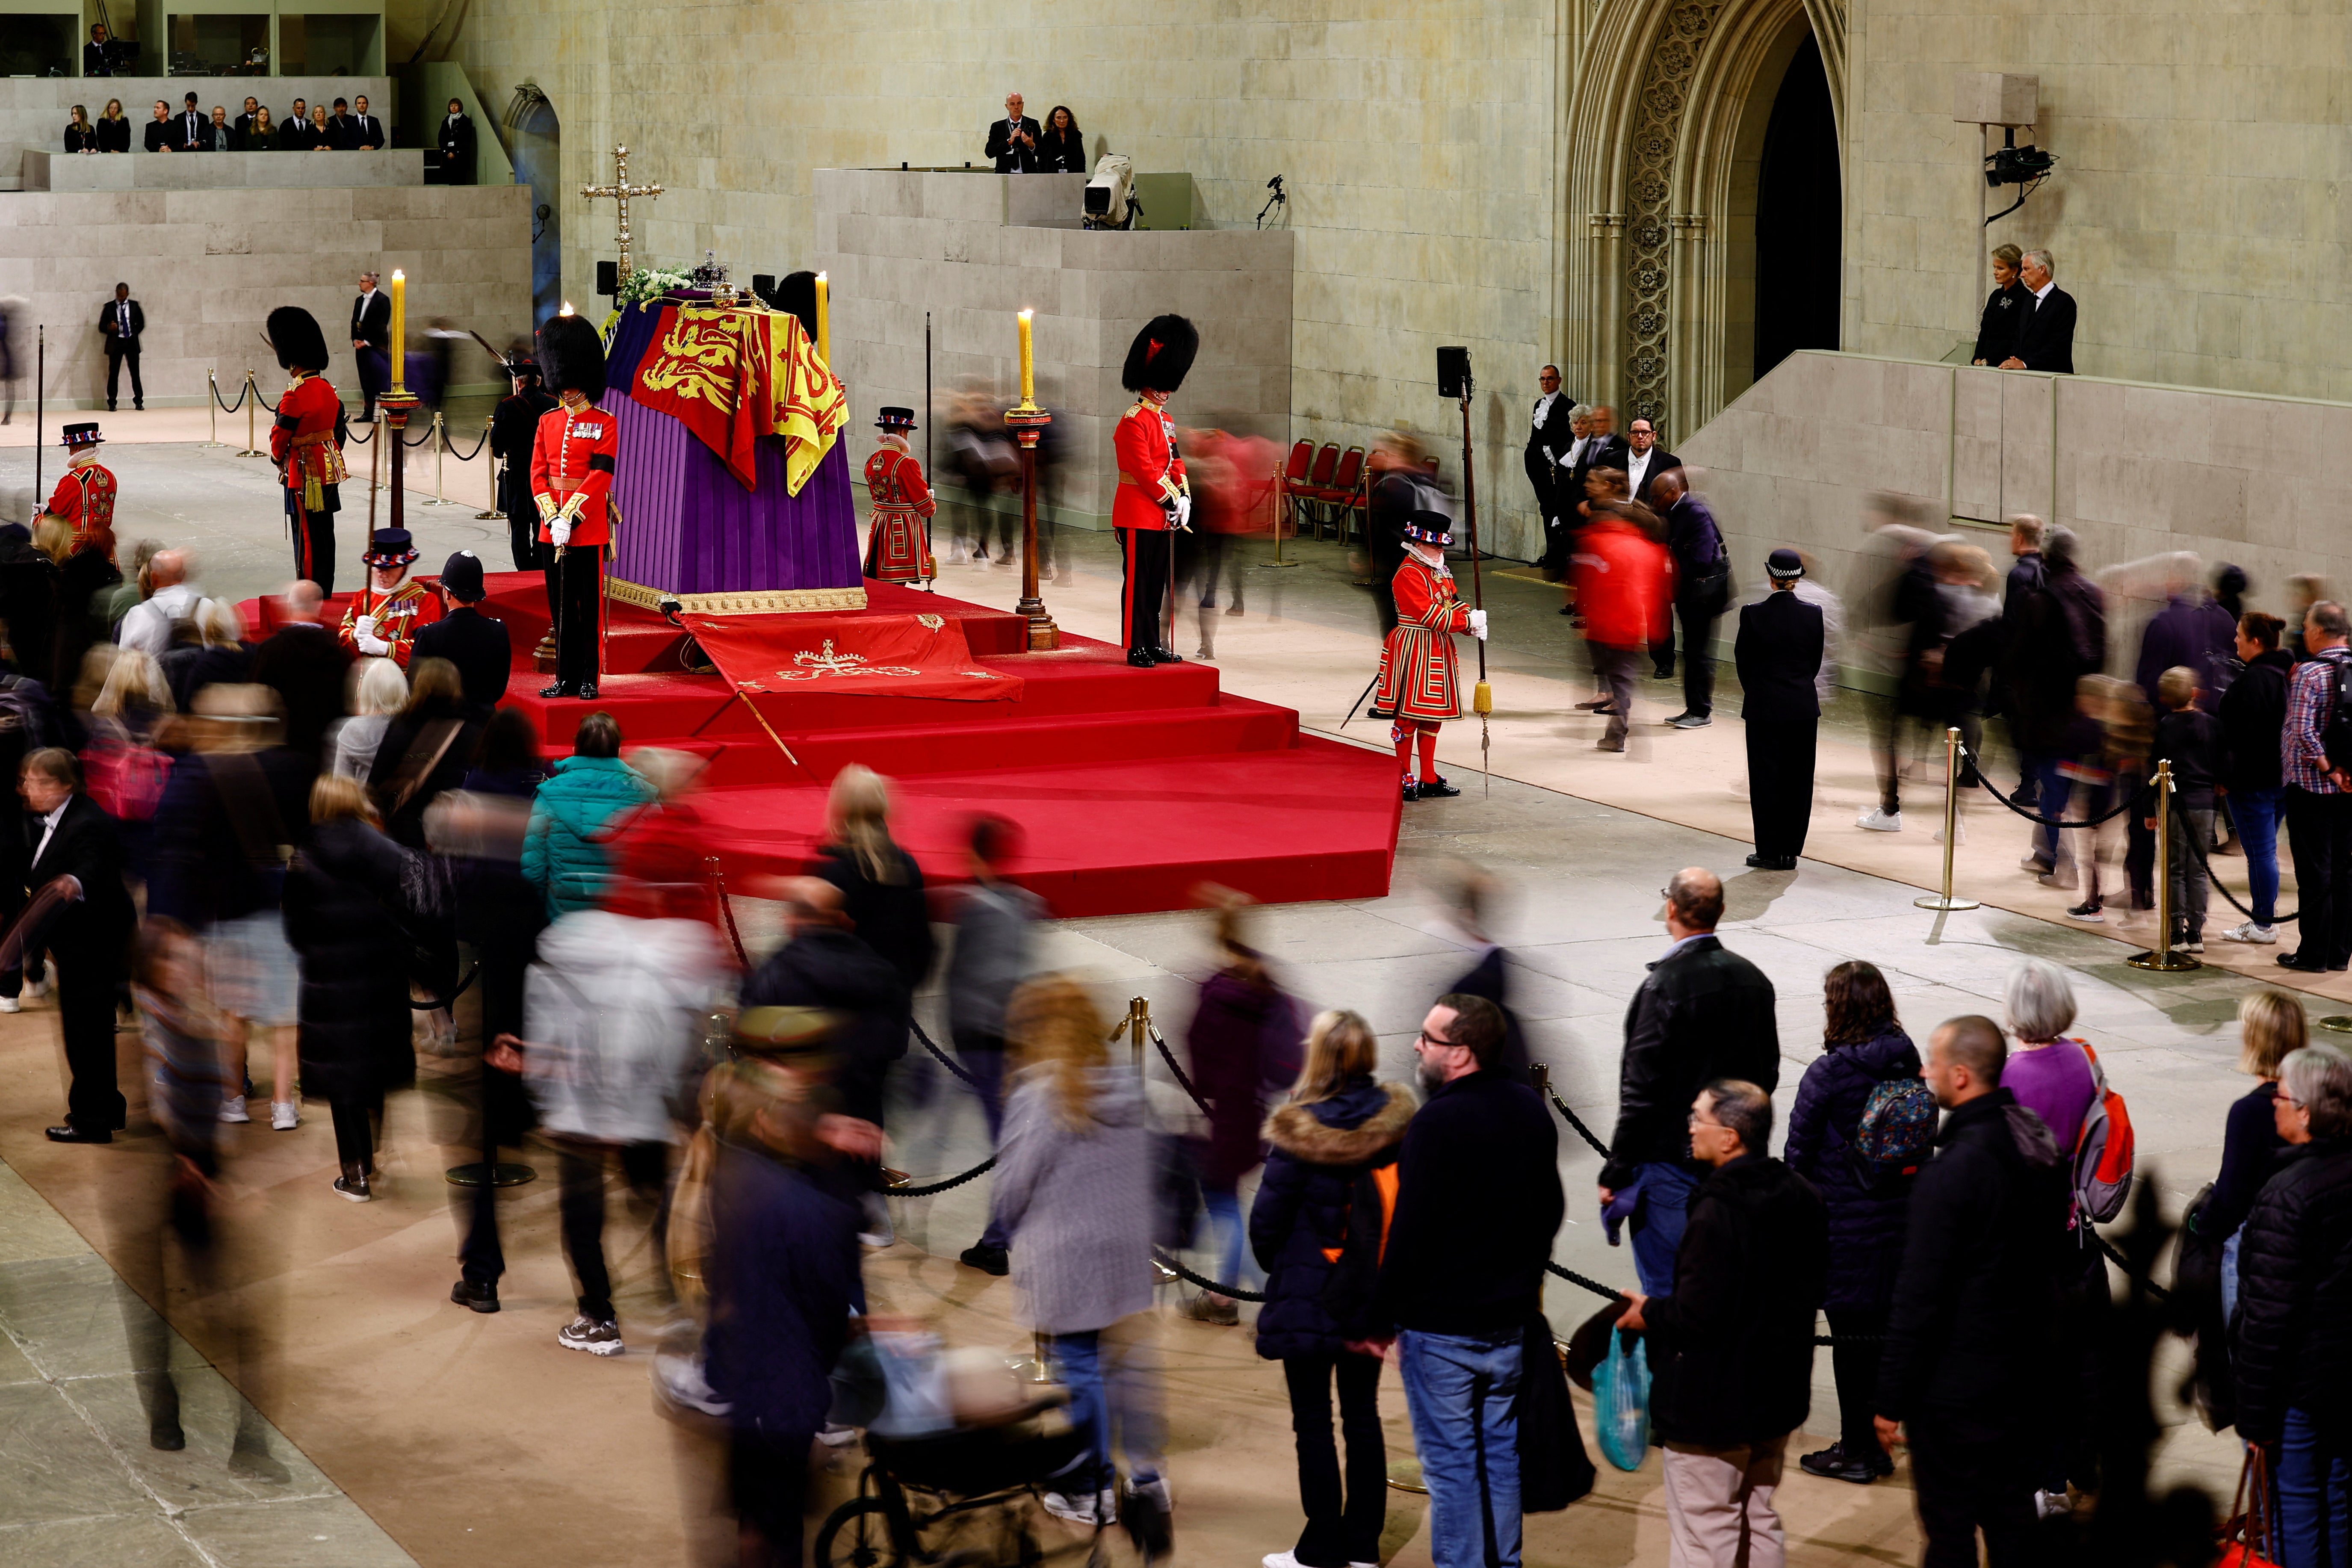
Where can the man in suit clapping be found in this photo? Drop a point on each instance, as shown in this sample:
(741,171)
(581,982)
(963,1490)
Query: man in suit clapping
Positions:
(1012,140)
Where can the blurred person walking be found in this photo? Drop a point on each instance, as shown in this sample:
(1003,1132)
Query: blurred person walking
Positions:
(2191,629)
(1703,1013)
(1074,1191)
(1702,588)
(1863,1050)
(2253,786)
(1968,1330)
(379,694)
(1731,1346)
(77,870)
(1336,1130)
(304,663)
(1780,654)
(1397,487)
(2058,634)
(995,942)
(882,897)
(1623,593)
(2292,1342)
(426,749)
(356,906)
(1244,1045)
(565,852)
(2191,741)
(1478,1201)
(2319,795)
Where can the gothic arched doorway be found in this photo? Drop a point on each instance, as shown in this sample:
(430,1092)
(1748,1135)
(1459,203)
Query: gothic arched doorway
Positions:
(1798,216)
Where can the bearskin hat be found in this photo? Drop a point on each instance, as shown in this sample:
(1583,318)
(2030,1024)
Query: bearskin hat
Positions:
(294,333)
(571,355)
(1162,355)
(795,295)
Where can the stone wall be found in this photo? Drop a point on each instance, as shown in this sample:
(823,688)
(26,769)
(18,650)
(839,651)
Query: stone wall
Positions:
(222,171)
(207,267)
(972,249)
(2195,215)
(1416,143)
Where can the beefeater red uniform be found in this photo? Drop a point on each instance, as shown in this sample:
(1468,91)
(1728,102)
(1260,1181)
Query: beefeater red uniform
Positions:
(898,545)
(85,498)
(1418,676)
(399,614)
(1150,479)
(310,460)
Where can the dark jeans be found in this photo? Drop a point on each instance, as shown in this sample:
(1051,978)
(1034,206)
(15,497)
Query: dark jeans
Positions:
(1854,1360)
(2315,1497)
(114,362)
(2041,786)
(2319,832)
(2254,813)
(1697,608)
(1963,1482)
(1338,1532)
(86,992)
(582,1206)
(982,1056)
(768,1478)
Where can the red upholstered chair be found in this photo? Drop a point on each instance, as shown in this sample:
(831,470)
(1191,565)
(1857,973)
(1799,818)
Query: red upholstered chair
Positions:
(1293,480)
(1306,495)
(1343,496)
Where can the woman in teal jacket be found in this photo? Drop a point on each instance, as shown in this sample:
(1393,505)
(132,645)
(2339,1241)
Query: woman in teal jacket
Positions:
(565,854)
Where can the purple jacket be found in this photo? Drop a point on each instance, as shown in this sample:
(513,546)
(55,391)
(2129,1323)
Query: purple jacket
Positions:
(2195,632)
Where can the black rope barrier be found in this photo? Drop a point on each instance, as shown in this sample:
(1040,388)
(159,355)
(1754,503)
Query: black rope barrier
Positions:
(424,435)
(1231,1292)
(1181,1081)
(2120,1261)
(467,457)
(2215,882)
(971,1176)
(359,440)
(1578,1122)
(242,393)
(433,1003)
(1994,790)
(945,1060)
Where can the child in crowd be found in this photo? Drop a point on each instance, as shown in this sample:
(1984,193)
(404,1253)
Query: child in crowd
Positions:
(2109,742)
(2191,741)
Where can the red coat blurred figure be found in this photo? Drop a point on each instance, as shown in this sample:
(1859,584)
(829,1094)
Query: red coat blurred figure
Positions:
(1154,494)
(573,459)
(1624,586)
(898,545)
(1419,681)
(306,443)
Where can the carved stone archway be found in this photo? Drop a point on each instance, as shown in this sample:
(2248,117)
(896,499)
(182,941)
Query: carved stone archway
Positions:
(1665,121)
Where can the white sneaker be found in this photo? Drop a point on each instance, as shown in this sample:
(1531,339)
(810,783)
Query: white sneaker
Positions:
(1878,820)
(10,1005)
(233,1108)
(37,985)
(2249,931)
(283,1116)
(1937,836)
(879,1231)
(586,1333)
(2194,944)
(1084,1508)
(2051,1505)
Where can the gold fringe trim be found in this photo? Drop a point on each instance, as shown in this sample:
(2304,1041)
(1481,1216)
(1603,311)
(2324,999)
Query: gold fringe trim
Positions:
(765,602)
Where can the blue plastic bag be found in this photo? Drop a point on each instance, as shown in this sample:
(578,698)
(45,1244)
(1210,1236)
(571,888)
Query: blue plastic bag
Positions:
(1621,1402)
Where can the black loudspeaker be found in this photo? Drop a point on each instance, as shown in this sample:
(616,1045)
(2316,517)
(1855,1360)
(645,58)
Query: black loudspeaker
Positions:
(608,277)
(1452,372)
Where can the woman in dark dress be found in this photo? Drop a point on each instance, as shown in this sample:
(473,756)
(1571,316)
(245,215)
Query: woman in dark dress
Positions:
(81,136)
(113,127)
(1062,149)
(2005,308)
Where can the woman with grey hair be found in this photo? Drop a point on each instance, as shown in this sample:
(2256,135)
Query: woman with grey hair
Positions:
(2290,1345)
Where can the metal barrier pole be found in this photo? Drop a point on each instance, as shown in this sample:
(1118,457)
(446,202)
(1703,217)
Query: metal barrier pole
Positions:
(440,450)
(252,396)
(1139,1027)
(493,468)
(2161,956)
(1284,505)
(1944,901)
(212,414)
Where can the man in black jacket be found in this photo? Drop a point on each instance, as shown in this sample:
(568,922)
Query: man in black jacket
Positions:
(2045,338)
(1731,1348)
(372,343)
(514,427)
(2254,720)
(366,129)
(1012,140)
(1778,656)
(455,140)
(1478,1201)
(1702,587)
(1968,1331)
(1703,1014)
(76,849)
(479,645)
(2060,635)
(119,322)
(306,664)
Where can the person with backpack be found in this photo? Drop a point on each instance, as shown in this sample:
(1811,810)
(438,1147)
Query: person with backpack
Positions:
(2314,752)
(1862,1125)
(1317,1228)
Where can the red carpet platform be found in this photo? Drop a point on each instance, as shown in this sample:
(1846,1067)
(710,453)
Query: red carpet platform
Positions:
(1131,786)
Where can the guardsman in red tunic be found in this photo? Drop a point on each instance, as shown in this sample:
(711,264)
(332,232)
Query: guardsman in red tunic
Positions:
(898,547)
(84,498)
(1153,496)
(306,443)
(572,460)
(385,617)
(1418,681)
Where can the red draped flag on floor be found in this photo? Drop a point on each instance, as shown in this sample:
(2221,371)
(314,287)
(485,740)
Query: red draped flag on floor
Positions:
(892,656)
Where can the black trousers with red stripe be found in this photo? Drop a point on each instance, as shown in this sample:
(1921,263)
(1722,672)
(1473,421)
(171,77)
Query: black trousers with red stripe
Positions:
(580,600)
(1145,598)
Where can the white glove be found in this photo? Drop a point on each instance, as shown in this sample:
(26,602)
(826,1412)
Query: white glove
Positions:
(1183,511)
(559,529)
(364,628)
(1478,624)
(373,645)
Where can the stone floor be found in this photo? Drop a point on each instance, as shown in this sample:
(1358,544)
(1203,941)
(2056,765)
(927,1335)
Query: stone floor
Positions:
(476,1440)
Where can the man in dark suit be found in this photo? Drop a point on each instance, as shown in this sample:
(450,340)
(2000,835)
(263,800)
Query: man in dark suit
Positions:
(1644,461)
(340,127)
(1012,140)
(2045,339)
(514,428)
(244,122)
(371,341)
(97,57)
(1490,977)
(479,645)
(305,664)
(75,847)
(193,131)
(455,140)
(1546,449)
(119,322)
(1604,448)
(1779,654)
(366,129)
(160,135)
(1702,587)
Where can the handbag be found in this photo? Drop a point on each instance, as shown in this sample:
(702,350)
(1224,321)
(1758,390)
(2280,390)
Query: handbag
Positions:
(1620,1401)
(2250,1538)
(1554,1469)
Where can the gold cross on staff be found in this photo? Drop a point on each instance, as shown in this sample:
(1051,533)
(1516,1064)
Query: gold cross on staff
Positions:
(620,190)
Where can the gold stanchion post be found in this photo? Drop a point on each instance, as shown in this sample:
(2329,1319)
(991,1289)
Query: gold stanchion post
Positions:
(440,450)
(1282,505)
(212,414)
(1944,901)
(1028,422)
(252,396)
(493,467)
(2162,956)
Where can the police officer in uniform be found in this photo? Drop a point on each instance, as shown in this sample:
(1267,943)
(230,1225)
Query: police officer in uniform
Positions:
(1153,495)
(572,460)
(514,425)
(1777,653)
(476,643)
